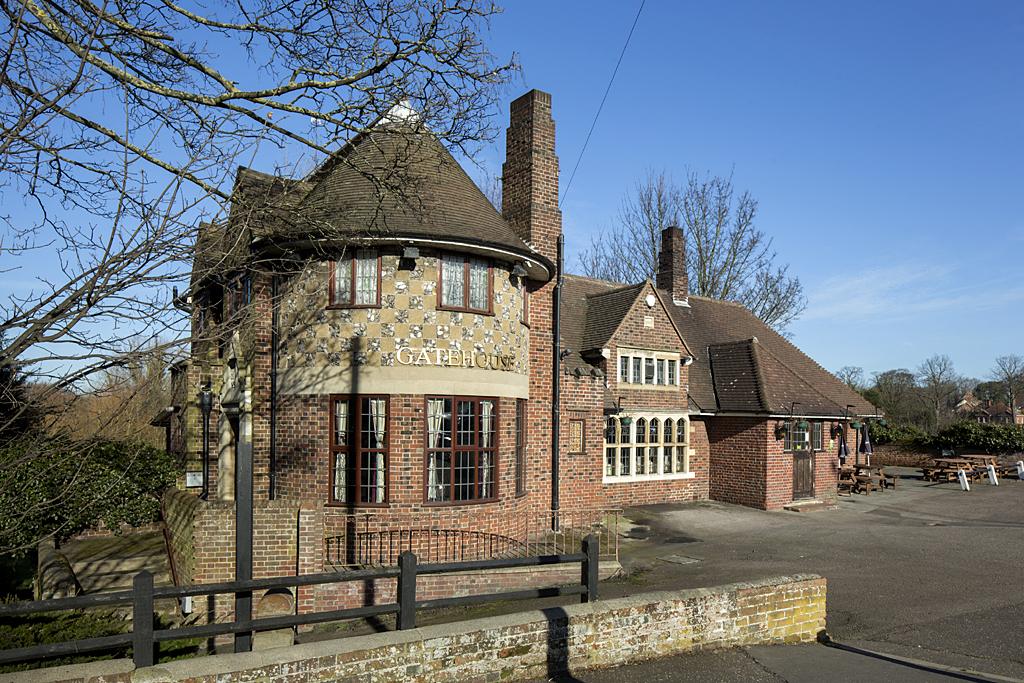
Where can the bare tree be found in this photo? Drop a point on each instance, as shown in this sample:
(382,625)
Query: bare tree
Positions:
(728,257)
(938,384)
(895,392)
(123,123)
(1009,372)
(852,375)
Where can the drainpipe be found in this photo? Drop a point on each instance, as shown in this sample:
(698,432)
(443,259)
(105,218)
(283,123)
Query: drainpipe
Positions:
(273,387)
(556,384)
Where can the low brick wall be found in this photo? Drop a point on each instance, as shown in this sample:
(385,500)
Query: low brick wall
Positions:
(894,455)
(178,510)
(519,646)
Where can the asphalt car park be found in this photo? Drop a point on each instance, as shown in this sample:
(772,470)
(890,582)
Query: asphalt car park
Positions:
(925,572)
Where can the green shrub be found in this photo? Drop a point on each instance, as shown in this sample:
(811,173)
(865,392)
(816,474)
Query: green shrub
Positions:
(902,434)
(984,437)
(60,488)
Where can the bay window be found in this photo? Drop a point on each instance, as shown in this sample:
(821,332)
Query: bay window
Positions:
(646,447)
(355,281)
(461,449)
(359,450)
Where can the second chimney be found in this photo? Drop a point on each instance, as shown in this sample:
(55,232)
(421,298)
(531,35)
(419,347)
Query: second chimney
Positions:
(672,265)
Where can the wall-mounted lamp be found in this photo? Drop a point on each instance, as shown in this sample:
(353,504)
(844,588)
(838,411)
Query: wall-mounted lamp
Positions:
(518,270)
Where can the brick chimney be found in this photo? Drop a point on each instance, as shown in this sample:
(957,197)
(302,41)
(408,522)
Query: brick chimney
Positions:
(672,265)
(529,176)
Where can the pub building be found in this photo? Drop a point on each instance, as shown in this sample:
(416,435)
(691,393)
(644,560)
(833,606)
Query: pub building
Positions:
(389,359)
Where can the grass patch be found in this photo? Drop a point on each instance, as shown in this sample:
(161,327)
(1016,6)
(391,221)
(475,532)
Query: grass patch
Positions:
(56,627)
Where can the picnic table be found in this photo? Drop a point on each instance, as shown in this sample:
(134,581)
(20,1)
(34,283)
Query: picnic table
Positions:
(864,478)
(947,469)
(1003,468)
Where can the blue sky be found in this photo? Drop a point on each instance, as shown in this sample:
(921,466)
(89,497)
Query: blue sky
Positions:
(883,141)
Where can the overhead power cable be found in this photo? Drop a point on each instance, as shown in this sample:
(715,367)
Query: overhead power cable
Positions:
(601,106)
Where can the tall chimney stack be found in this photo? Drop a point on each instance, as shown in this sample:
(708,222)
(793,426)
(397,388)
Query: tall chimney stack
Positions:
(672,265)
(529,179)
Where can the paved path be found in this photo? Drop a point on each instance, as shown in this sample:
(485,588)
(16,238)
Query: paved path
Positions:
(110,562)
(792,664)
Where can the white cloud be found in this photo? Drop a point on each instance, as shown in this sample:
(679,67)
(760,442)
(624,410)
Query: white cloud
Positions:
(898,292)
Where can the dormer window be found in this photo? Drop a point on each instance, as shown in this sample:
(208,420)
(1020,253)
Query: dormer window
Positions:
(355,281)
(464,284)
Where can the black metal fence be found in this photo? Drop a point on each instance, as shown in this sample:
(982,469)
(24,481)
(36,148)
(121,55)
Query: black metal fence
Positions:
(145,639)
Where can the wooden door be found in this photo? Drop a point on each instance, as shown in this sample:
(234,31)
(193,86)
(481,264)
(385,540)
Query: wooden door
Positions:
(803,474)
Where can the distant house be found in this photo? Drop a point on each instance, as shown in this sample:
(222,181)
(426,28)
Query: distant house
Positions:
(986,411)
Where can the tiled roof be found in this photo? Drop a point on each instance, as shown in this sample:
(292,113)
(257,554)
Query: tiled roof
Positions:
(605,310)
(740,364)
(355,195)
(576,293)
(734,372)
(783,372)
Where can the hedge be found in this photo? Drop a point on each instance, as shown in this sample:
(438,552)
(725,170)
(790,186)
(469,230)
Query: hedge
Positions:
(987,437)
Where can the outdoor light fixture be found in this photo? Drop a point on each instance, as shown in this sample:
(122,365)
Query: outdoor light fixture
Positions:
(206,406)
(410,252)
(518,270)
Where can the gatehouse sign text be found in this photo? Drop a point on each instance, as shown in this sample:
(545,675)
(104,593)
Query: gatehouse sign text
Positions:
(455,358)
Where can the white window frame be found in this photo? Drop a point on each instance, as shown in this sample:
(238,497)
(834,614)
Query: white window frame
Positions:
(635,361)
(626,438)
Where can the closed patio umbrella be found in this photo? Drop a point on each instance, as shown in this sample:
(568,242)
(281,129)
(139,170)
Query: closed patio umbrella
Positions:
(865,443)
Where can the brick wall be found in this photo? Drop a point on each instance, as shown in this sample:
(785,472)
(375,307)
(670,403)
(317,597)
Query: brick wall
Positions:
(738,459)
(750,467)
(178,510)
(529,645)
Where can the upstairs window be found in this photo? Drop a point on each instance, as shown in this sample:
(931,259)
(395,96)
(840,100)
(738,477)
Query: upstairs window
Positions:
(465,284)
(655,369)
(355,281)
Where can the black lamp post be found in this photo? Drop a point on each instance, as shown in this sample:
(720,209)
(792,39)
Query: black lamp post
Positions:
(206,406)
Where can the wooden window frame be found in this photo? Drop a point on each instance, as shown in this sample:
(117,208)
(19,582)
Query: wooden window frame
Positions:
(355,449)
(476,449)
(331,303)
(817,437)
(465,308)
(790,436)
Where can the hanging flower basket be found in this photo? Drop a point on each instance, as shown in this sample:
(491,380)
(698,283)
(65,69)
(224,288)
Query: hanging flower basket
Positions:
(780,431)
(856,425)
(803,424)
